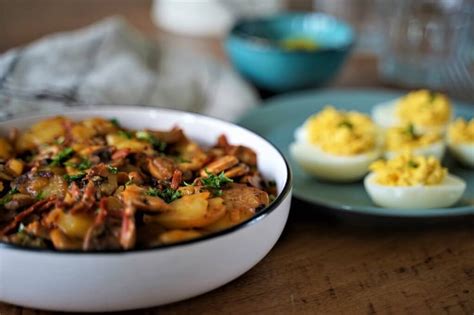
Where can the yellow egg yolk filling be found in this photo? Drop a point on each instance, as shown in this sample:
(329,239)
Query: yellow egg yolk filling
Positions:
(341,133)
(299,43)
(461,131)
(409,170)
(424,108)
(405,138)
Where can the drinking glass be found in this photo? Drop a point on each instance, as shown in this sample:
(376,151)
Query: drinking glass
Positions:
(429,43)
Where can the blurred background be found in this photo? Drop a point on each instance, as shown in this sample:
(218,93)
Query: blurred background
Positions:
(397,44)
(222,58)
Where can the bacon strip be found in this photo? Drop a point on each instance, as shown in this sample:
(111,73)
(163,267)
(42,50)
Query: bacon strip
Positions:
(37,207)
(121,154)
(88,199)
(176,179)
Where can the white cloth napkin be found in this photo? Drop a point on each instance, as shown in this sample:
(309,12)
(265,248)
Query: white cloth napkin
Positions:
(110,63)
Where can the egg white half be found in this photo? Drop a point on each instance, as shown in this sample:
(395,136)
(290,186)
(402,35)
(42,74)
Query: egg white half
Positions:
(385,115)
(445,194)
(313,160)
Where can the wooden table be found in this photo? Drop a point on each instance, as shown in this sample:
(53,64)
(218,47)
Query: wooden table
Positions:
(322,263)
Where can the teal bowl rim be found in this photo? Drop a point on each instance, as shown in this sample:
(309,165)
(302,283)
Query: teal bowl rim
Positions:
(261,44)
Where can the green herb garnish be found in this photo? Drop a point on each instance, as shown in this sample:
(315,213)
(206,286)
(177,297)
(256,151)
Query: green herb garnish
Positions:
(84,165)
(432,96)
(167,194)
(74,177)
(112,169)
(81,166)
(125,134)
(156,143)
(410,130)
(40,195)
(115,122)
(8,197)
(215,182)
(412,164)
(62,157)
(347,124)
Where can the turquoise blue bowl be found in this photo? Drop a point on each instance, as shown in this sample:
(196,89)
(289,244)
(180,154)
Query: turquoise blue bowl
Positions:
(254,48)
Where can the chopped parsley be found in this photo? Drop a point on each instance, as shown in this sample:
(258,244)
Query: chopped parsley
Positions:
(410,130)
(217,192)
(215,182)
(125,134)
(84,165)
(8,197)
(81,166)
(412,164)
(115,122)
(40,195)
(347,124)
(432,96)
(112,169)
(167,194)
(73,178)
(156,143)
(62,157)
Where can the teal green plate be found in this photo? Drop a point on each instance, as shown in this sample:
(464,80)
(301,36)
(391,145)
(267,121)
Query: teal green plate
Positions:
(278,118)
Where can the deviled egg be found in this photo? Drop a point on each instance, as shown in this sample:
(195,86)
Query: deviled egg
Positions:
(428,111)
(400,139)
(461,141)
(336,145)
(412,182)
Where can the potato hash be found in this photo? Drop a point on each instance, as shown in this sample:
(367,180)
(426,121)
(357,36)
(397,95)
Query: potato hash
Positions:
(94,185)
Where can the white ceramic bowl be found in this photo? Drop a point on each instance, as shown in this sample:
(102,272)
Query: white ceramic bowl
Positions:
(112,281)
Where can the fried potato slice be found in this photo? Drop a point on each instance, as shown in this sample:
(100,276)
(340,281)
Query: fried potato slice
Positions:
(73,225)
(192,211)
(6,149)
(43,132)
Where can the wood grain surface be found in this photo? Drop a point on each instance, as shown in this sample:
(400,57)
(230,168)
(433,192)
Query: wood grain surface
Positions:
(323,263)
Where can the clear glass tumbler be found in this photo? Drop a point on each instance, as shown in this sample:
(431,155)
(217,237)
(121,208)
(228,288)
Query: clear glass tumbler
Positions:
(428,43)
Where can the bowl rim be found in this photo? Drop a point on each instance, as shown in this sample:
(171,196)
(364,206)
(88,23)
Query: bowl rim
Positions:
(261,44)
(110,108)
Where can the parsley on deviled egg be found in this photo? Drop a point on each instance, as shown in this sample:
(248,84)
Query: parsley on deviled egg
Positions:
(400,139)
